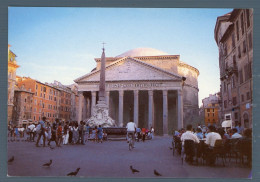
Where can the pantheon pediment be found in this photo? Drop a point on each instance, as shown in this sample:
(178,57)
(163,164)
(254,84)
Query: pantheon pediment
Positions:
(129,68)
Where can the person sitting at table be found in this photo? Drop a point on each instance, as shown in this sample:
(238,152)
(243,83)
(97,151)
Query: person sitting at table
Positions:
(235,133)
(188,135)
(212,136)
(199,134)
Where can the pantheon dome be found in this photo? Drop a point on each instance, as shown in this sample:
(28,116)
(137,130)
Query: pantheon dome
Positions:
(143,52)
(147,86)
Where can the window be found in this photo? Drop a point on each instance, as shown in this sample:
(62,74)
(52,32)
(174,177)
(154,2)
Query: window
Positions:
(250,69)
(242,22)
(233,40)
(236,115)
(43,95)
(36,86)
(244,46)
(213,114)
(44,89)
(41,88)
(246,71)
(213,110)
(242,97)
(24,100)
(225,49)
(237,28)
(241,76)
(225,87)
(42,105)
(234,101)
(225,104)
(239,51)
(248,95)
(233,82)
(250,39)
(234,61)
(247,18)
(35,93)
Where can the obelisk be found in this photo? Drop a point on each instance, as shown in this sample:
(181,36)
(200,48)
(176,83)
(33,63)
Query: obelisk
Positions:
(102,82)
(100,111)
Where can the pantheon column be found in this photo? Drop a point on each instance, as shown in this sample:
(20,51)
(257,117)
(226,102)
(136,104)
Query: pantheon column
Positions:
(136,107)
(80,106)
(93,99)
(121,108)
(180,109)
(165,112)
(150,108)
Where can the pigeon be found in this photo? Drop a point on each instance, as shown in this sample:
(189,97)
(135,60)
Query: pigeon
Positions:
(47,164)
(51,147)
(170,148)
(73,173)
(134,170)
(156,173)
(11,159)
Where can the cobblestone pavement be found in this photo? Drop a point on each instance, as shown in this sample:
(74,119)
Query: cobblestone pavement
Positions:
(112,159)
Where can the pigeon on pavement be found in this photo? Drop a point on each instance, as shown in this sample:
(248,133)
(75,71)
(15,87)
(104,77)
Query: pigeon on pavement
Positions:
(73,173)
(134,170)
(11,159)
(156,173)
(48,164)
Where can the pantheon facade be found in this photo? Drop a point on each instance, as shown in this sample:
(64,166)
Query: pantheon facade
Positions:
(145,85)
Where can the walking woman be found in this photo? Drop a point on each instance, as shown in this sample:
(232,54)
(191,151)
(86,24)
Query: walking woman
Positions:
(75,131)
(100,133)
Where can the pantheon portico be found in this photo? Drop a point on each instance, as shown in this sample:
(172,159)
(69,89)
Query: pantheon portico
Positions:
(145,85)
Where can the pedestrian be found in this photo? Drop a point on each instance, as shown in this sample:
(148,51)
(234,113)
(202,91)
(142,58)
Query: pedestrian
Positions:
(42,131)
(53,132)
(70,132)
(66,133)
(75,131)
(31,130)
(48,131)
(138,131)
(152,132)
(143,134)
(59,135)
(87,132)
(81,133)
(100,133)
(94,134)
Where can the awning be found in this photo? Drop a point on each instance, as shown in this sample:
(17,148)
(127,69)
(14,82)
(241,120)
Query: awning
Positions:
(226,123)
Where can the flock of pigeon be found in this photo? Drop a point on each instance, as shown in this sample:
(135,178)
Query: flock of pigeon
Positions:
(74,173)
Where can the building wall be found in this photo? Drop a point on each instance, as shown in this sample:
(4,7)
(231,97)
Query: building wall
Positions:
(23,102)
(12,66)
(235,60)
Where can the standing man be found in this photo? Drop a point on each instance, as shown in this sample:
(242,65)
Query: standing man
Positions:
(31,130)
(131,128)
(42,131)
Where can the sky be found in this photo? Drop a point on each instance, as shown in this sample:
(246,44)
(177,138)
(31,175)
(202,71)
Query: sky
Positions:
(61,43)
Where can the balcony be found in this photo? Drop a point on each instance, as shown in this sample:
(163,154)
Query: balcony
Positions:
(229,72)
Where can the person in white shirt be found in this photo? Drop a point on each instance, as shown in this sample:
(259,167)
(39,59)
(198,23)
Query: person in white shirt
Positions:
(212,136)
(188,135)
(131,128)
(31,127)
